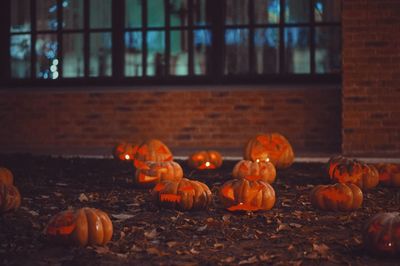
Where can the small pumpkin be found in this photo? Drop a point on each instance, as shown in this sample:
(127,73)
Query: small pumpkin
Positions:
(264,171)
(85,226)
(184,194)
(125,151)
(155,172)
(337,197)
(205,160)
(245,195)
(273,146)
(381,234)
(6,176)
(389,174)
(152,150)
(10,198)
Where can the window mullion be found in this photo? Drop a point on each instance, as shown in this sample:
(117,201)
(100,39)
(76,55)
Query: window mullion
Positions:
(118,47)
(5,32)
(59,37)
(190,38)
(282,37)
(218,29)
(86,37)
(144,37)
(33,39)
(312,38)
(167,37)
(251,36)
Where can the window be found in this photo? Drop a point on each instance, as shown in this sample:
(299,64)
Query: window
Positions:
(164,41)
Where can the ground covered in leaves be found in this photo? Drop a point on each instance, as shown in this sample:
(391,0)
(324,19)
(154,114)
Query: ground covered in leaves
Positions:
(292,233)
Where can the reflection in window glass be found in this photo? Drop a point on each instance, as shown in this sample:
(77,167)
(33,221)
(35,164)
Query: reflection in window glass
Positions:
(47,59)
(236,51)
(297,11)
(133,54)
(327,49)
(100,14)
(236,12)
(20,53)
(327,10)
(133,13)
(179,12)
(155,13)
(179,64)
(202,46)
(200,16)
(20,16)
(266,11)
(73,14)
(267,50)
(297,50)
(46,13)
(100,54)
(73,55)
(155,53)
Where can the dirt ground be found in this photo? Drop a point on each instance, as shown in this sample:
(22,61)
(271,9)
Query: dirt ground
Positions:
(292,233)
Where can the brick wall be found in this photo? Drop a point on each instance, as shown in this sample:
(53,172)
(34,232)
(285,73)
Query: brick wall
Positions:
(222,118)
(371,78)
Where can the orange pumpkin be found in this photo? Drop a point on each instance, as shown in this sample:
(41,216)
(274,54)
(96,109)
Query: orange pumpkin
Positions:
(125,151)
(10,199)
(184,194)
(244,195)
(264,171)
(152,150)
(381,234)
(86,226)
(389,174)
(273,147)
(337,197)
(155,172)
(6,176)
(205,160)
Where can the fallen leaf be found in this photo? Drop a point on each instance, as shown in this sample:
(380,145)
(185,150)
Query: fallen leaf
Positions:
(201,228)
(122,216)
(193,251)
(171,244)
(83,197)
(151,234)
(249,260)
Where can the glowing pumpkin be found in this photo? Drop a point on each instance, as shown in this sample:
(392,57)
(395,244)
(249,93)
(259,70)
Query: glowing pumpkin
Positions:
(244,195)
(264,171)
(184,194)
(10,199)
(205,160)
(273,147)
(86,226)
(337,197)
(125,151)
(381,234)
(152,150)
(389,174)
(155,172)
(6,176)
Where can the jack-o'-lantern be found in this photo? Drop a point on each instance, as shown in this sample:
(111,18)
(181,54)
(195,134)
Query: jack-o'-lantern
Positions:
(381,234)
(10,199)
(389,174)
(184,194)
(274,147)
(264,171)
(125,151)
(205,160)
(244,195)
(85,226)
(6,176)
(155,172)
(337,197)
(152,150)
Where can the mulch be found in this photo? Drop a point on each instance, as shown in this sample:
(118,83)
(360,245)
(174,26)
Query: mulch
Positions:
(292,233)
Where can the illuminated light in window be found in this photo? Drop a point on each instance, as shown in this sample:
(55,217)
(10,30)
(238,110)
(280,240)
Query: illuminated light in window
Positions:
(55,75)
(208,164)
(65,4)
(55,62)
(127,157)
(45,75)
(53,68)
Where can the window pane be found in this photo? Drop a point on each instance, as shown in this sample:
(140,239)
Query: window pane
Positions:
(237,12)
(133,13)
(100,14)
(267,50)
(73,55)
(100,54)
(200,14)
(179,12)
(202,51)
(73,14)
(236,51)
(179,53)
(20,53)
(297,11)
(46,55)
(327,10)
(155,53)
(297,50)
(46,12)
(155,13)
(133,54)
(328,49)
(266,11)
(20,16)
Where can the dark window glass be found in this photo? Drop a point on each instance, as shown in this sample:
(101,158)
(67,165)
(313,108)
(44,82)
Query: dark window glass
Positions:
(297,11)
(328,49)
(155,53)
(73,14)
(266,50)
(20,16)
(47,56)
(155,13)
(327,10)
(133,13)
(133,54)
(100,14)
(179,13)
(237,12)
(46,13)
(236,51)
(297,50)
(179,53)
(266,11)
(73,59)
(200,14)
(20,52)
(202,51)
(100,54)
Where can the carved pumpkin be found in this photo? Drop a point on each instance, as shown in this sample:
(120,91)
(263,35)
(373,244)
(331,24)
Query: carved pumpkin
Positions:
(125,151)
(389,174)
(343,170)
(155,172)
(86,226)
(274,147)
(244,195)
(184,194)
(264,171)
(10,199)
(6,176)
(205,160)
(381,234)
(337,197)
(152,150)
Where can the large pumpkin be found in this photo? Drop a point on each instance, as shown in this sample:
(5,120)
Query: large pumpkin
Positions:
(152,150)
(381,234)
(6,176)
(264,171)
(86,226)
(205,160)
(244,195)
(184,194)
(155,172)
(389,174)
(273,147)
(10,199)
(125,151)
(337,197)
